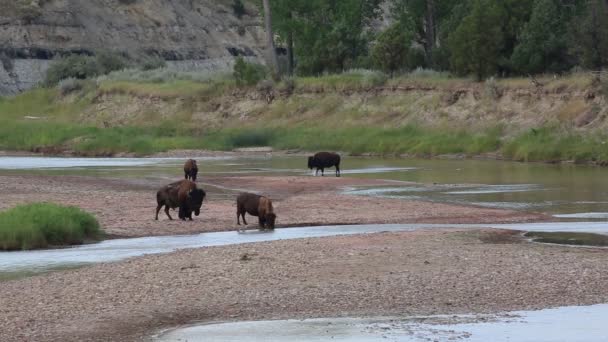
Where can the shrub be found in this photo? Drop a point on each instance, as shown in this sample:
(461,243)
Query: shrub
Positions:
(82,66)
(69,85)
(152,63)
(73,66)
(246,73)
(40,225)
(108,61)
(238,8)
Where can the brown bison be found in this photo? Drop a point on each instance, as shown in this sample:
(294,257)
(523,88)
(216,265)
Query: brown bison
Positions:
(183,195)
(190,170)
(322,160)
(255,205)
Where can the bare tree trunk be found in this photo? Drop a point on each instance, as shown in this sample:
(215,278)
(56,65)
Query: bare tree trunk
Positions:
(429,31)
(290,60)
(274,61)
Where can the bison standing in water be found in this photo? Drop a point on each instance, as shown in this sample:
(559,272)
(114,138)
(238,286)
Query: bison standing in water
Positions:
(255,205)
(183,195)
(190,169)
(322,160)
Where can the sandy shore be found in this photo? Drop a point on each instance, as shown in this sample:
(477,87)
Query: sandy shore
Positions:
(125,207)
(416,273)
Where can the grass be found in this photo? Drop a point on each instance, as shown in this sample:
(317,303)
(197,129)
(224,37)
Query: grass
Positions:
(554,144)
(173,110)
(566,238)
(40,225)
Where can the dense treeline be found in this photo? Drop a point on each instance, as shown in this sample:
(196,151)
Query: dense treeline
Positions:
(467,37)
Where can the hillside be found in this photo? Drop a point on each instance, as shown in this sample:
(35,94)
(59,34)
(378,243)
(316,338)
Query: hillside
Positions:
(564,119)
(201,34)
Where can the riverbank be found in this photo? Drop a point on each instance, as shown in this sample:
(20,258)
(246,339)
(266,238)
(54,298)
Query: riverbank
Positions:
(125,206)
(415,273)
(562,120)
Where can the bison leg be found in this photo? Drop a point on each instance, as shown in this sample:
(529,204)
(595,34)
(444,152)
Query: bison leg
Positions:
(322,172)
(244,222)
(182,213)
(238,217)
(337,170)
(167,212)
(157,210)
(262,222)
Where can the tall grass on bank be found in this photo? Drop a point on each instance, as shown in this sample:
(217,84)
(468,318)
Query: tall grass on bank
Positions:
(40,225)
(553,144)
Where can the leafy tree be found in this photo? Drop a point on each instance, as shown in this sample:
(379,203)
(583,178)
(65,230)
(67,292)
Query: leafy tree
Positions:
(391,50)
(427,17)
(543,43)
(327,35)
(248,73)
(590,34)
(476,43)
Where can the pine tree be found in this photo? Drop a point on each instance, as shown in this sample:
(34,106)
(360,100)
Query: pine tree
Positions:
(475,45)
(542,46)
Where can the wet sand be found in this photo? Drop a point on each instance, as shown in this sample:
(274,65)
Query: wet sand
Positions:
(384,274)
(125,206)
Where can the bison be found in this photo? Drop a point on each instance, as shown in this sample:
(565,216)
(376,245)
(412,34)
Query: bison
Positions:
(255,205)
(190,170)
(183,195)
(322,160)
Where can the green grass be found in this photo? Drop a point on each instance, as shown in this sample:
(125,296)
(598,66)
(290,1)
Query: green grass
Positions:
(40,225)
(566,238)
(553,144)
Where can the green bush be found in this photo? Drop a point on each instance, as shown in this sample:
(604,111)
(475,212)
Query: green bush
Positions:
(250,138)
(82,66)
(40,225)
(248,73)
(152,63)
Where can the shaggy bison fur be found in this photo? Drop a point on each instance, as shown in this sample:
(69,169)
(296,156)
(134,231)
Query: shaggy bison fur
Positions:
(255,205)
(322,160)
(183,195)
(190,169)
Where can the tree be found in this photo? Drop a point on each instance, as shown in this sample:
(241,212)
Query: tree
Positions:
(591,35)
(274,61)
(391,49)
(427,17)
(476,43)
(542,46)
(326,35)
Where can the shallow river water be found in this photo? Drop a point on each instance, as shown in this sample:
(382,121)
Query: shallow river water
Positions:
(578,191)
(567,191)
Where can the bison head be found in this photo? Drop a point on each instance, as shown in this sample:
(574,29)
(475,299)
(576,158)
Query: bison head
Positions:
(310,162)
(195,200)
(269,219)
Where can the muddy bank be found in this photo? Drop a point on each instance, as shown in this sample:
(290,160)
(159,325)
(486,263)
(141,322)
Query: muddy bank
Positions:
(416,273)
(125,207)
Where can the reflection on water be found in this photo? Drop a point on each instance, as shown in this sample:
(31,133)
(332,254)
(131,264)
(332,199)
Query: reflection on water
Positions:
(556,189)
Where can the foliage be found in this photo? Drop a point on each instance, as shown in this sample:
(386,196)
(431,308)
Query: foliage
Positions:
(40,225)
(590,35)
(391,49)
(246,73)
(152,63)
(83,66)
(543,45)
(476,43)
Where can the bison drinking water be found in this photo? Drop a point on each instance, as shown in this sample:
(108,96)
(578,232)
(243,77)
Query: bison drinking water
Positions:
(190,169)
(322,160)
(255,205)
(183,195)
